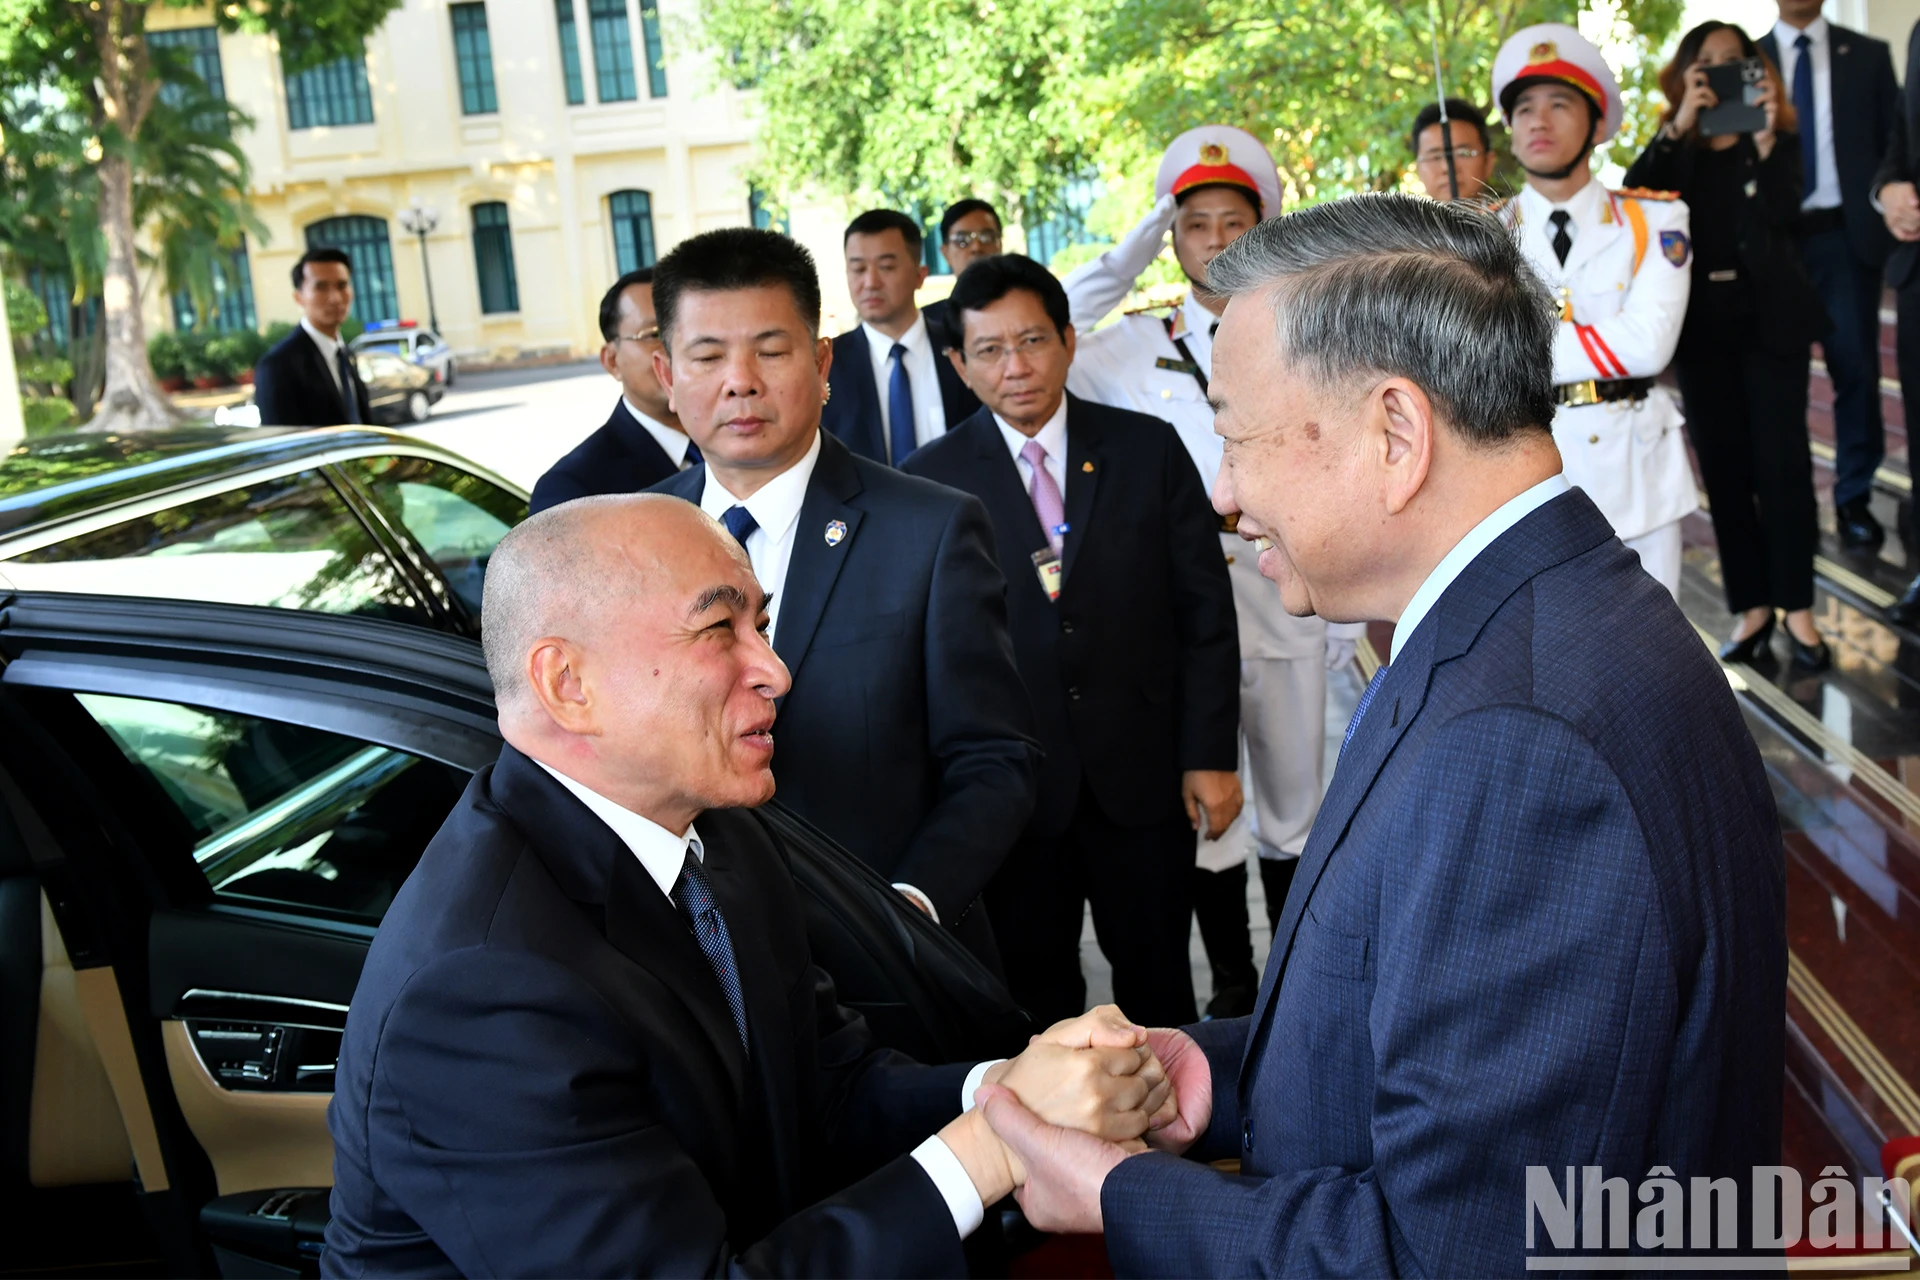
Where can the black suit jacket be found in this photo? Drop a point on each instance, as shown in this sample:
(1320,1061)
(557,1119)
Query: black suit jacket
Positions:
(540,1075)
(1902,161)
(292,387)
(907,735)
(1866,103)
(621,457)
(853,411)
(1790,315)
(1135,670)
(936,314)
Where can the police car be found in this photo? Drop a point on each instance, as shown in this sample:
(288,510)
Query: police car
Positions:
(406,339)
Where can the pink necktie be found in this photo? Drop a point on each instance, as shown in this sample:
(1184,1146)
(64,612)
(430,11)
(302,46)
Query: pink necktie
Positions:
(1046,496)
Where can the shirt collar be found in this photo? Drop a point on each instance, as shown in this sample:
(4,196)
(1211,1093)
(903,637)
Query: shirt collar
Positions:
(1580,204)
(1465,551)
(913,339)
(1785,33)
(1052,436)
(1200,321)
(673,443)
(660,851)
(777,503)
(327,345)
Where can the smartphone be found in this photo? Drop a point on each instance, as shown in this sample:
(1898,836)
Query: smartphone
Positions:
(1737,85)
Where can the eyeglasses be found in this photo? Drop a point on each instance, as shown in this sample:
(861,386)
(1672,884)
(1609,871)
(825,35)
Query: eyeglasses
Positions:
(1459,153)
(649,334)
(994,353)
(974,239)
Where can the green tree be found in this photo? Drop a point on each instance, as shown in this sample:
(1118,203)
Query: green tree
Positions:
(91,57)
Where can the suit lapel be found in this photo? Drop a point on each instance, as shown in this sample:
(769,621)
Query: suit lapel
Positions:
(815,564)
(637,440)
(1084,469)
(1000,486)
(856,379)
(317,364)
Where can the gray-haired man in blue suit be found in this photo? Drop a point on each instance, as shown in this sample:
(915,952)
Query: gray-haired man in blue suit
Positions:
(1540,919)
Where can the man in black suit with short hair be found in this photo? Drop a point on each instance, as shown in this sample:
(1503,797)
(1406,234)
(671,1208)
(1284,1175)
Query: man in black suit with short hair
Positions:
(969,231)
(892,392)
(1123,624)
(907,737)
(642,443)
(308,379)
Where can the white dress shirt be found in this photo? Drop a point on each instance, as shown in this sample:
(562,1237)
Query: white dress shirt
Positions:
(1826,191)
(776,508)
(673,442)
(1052,438)
(663,854)
(329,355)
(929,409)
(1465,551)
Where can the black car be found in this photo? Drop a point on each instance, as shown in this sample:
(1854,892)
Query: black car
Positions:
(397,389)
(208,801)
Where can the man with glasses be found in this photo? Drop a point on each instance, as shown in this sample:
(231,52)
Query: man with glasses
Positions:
(969,231)
(643,442)
(1465,132)
(1123,629)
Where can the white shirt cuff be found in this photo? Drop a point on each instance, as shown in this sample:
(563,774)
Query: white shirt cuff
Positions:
(922,899)
(972,1085)
(951,1181)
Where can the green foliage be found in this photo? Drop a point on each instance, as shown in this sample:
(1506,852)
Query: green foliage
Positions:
(231,353)
(279,331)
(26,314)
(46,415)
(165,356)
(196,361)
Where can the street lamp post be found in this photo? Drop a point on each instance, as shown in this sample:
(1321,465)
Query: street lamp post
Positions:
(421,219)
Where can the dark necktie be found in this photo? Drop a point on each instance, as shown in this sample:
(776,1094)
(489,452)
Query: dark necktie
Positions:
(349,398)
(1803,107)
(740,523)
(899,406)
(694,457)
(1562,238)
(694,896)
(1366,700)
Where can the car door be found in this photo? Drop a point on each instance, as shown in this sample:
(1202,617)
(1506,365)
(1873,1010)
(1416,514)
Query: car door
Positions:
(387,384)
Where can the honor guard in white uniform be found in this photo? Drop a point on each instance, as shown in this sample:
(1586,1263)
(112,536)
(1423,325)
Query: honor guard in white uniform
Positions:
(1616,263)
(1214,183)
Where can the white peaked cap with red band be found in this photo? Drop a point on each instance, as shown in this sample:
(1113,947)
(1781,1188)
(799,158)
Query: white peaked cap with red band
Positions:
(1554,51)
(1217,154)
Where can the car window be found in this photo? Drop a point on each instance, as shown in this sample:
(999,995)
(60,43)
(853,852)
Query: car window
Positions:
(455,516)
(281,813)
(378,364)
(290,542)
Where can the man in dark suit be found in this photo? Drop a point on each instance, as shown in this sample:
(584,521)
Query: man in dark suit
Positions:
(1895,190)
(969,231)
(1540,921)
(907,737)
(589,1038)
(1843,88)
(308,379)
(891,391)
(1124,627)
(642,443)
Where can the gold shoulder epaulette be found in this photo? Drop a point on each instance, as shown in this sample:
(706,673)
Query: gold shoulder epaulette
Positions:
(1146,308)
(1647,193)
(1497,205)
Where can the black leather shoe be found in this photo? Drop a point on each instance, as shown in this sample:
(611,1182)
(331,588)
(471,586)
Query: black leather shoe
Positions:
(1859,531)
(1752,648)
(1906,610)
(1810,657)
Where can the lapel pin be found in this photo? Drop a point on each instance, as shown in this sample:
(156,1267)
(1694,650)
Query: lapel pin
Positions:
(1842,49)
(836,532)
(1086,466)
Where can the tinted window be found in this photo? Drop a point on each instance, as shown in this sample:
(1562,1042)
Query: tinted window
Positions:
(290,542)
(456,517)
(281,813)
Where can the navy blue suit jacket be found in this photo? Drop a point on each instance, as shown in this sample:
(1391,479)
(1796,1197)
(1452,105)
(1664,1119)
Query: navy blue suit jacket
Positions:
(1135,670)
(292,387)
(853,411)
(621,457)
(1540,920)
(907,735)
(540,1075)
(1866,107)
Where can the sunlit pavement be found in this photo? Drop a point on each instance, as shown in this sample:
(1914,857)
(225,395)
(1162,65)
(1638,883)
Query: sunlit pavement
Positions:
(519,422)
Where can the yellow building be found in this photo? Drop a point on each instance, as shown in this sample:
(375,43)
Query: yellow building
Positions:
(554,142)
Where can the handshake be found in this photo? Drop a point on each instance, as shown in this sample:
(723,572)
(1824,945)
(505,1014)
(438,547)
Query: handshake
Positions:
(1083,1096)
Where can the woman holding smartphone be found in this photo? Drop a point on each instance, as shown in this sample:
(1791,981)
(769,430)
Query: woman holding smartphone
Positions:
(1745,347)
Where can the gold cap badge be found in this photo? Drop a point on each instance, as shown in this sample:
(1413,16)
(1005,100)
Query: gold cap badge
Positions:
(1213,153)
(1545,51)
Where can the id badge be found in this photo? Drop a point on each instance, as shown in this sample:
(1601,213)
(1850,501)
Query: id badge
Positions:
(1047,566)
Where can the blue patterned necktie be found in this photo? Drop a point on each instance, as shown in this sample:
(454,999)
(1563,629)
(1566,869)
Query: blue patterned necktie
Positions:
(1803,107)
(694,457)
(1366,699)
(694,896)
(740,523)
(349,401)
(899,406)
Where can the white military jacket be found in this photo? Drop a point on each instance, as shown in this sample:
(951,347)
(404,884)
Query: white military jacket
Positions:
(1620,319)
(1134,364)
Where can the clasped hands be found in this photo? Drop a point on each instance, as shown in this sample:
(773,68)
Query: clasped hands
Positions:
(1083,1096)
